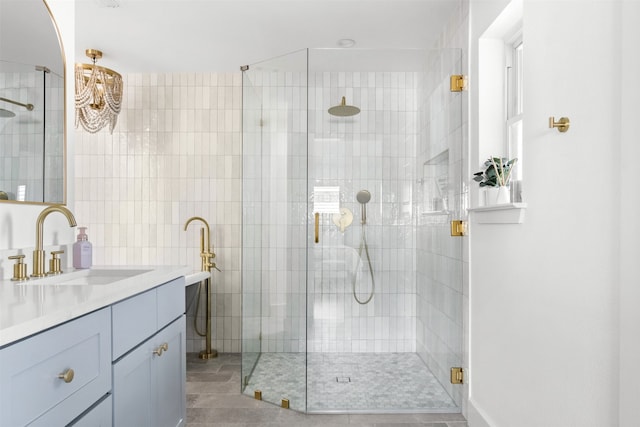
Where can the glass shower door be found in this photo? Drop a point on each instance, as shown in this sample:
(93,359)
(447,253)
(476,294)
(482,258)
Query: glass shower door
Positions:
(274,230)
(384,318)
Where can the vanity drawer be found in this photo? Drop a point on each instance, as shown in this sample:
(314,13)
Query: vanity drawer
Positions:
(170,302)
(134,320)
(31,387)
(139,317)
(99,416)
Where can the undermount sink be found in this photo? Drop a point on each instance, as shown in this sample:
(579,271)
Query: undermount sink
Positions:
(99,276)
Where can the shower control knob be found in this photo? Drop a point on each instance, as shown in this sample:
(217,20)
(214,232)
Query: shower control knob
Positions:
(343,219)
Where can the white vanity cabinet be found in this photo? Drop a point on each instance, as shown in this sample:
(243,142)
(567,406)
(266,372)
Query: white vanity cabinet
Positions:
(149,365)
(51,378)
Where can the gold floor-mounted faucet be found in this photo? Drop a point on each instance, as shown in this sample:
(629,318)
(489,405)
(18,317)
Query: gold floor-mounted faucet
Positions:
(205,244)
(206,255)
(38,253)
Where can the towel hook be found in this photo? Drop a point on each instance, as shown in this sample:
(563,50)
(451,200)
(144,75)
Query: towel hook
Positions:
(562,124)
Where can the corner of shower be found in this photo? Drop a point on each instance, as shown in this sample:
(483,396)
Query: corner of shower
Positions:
(352,305)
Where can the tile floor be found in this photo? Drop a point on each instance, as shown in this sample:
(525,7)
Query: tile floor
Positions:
(214,399)
(350,382)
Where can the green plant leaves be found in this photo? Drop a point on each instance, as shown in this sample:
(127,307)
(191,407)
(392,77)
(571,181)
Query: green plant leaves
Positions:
(497,171)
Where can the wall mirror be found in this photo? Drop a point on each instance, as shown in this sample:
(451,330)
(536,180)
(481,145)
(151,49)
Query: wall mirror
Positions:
(32,98)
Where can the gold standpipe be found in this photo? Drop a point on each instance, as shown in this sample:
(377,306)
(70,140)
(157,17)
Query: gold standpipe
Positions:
(38,253)
(206,256)
(317,228)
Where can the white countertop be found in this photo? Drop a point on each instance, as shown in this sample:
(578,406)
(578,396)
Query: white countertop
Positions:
(27,307)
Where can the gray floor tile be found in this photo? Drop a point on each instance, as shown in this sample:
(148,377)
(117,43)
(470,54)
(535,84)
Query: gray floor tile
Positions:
(214,399)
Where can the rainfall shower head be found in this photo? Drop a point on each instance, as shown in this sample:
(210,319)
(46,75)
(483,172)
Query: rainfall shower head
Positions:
(363,198)
(344,110)
(6,113)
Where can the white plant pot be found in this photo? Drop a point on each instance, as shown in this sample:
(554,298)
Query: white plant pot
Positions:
(496,196)
(503,196)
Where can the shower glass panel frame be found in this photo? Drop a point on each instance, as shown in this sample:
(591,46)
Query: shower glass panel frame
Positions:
(306,339)
(274,227)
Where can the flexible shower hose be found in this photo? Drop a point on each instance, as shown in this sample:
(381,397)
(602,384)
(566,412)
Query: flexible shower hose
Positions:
(363,244)
(195,318)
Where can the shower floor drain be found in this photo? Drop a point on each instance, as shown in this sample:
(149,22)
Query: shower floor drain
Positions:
(343,379)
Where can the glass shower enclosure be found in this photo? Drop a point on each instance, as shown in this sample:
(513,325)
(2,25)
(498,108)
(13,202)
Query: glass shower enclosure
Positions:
(352,284)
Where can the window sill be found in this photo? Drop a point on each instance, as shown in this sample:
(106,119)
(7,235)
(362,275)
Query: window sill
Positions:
(508,213)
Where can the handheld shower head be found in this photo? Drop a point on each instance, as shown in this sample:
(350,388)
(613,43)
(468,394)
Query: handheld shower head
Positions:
(363,198)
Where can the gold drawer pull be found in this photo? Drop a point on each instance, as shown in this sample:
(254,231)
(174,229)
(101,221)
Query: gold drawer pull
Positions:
(67,375)
(317,228)
(159,350)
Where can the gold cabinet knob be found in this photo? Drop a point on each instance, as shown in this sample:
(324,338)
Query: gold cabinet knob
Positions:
(67,376)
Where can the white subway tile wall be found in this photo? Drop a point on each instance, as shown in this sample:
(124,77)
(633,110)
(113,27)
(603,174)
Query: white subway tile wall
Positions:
(32,142)
(373,151)
(175,153)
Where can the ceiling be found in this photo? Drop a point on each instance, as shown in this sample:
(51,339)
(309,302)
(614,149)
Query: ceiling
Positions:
(222,35)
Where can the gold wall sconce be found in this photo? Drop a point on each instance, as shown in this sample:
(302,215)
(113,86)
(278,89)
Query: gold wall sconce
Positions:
(98,95)
(563,124)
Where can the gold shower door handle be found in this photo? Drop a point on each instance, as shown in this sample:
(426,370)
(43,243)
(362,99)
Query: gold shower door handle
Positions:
(317,227)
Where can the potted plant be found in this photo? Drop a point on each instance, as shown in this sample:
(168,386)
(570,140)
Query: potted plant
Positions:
(496,174)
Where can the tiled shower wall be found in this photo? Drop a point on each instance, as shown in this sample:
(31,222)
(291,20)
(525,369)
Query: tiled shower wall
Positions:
(371,151)
(175,153)
(32,139)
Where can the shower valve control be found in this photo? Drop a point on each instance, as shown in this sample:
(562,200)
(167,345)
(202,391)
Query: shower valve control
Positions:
(343,219)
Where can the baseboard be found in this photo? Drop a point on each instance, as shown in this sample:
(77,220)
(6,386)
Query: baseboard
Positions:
(476,417)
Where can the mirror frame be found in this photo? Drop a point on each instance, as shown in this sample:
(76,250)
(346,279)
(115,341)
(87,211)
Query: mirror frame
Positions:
(64,120)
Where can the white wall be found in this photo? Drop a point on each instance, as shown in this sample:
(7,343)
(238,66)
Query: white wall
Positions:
(629,224)
(544,306)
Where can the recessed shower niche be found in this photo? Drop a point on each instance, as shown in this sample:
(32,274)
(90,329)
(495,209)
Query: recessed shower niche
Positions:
(378,302)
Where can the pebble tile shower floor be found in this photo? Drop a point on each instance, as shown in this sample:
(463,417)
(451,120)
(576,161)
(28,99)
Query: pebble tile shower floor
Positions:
(214,399)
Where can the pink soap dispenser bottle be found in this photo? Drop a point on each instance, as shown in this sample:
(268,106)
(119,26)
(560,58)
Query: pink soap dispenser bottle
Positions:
(82,250)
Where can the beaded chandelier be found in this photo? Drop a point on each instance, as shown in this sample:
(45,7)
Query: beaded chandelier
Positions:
(98,95)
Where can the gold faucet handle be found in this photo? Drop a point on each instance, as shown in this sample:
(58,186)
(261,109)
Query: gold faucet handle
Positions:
(19,268)
(54,263)
(207,259)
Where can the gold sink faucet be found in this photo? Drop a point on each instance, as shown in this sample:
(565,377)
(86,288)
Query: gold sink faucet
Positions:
(205,246)
(38,253)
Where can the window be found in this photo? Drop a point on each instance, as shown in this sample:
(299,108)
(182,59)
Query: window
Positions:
(514,112)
